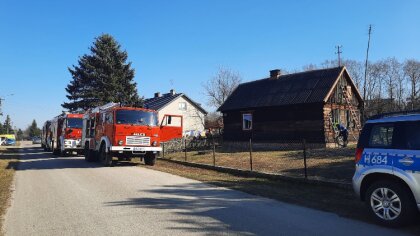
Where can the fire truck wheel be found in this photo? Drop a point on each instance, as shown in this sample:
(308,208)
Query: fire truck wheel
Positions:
(64,153)
(150,159)
(55,151)
(89,156)
(105,157)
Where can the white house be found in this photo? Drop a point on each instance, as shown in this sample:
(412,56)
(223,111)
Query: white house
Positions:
(179,104)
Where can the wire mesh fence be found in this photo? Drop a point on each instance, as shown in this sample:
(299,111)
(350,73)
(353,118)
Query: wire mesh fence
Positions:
(290,158)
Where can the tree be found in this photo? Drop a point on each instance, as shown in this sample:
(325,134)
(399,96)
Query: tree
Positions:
(33,130)
(218,88)
(356,71)
(7,126)
(19,135)
(102,76)
(411,70)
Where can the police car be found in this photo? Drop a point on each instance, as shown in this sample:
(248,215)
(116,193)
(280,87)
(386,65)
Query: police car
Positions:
(387,175)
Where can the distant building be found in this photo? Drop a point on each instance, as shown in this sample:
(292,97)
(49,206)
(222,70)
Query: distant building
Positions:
(179,104)
(292,107)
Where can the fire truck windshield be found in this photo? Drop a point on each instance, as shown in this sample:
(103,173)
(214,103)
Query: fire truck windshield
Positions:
(134,117)
(74,123)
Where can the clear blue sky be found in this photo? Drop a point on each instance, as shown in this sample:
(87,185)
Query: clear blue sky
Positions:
(181,44)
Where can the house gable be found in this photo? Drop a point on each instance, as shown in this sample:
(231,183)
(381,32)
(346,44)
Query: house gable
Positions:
(170,104)
(344,75)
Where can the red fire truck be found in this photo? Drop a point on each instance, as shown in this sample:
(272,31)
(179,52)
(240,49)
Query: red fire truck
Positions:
(66,134)
(125,132)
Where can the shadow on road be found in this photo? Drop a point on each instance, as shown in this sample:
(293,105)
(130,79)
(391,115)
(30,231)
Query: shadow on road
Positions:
(206,210)
(35,158)
(233,213)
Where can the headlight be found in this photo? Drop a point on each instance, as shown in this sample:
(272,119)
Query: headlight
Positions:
(154,143)
(120,142)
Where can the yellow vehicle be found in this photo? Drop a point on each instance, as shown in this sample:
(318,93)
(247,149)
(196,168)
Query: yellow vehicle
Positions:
(3,138)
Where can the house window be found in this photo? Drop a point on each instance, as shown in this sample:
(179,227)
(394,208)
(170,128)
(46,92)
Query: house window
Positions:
(182,106)
(349,94)
(335,116)
(247,121)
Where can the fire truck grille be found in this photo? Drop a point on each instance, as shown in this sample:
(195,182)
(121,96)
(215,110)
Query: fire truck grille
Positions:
(136,140)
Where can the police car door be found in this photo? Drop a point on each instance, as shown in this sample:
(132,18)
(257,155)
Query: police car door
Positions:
(406,162)
(379,151)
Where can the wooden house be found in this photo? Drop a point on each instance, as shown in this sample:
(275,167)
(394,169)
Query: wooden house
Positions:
(291,107)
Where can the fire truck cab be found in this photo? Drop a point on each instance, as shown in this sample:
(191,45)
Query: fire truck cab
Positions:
(125,132)
(66,134)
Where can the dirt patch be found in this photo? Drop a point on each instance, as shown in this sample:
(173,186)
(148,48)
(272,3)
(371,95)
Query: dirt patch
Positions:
(326,198)
(8,163)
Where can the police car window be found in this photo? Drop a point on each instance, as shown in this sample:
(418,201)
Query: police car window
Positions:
(381,135)
(412,135)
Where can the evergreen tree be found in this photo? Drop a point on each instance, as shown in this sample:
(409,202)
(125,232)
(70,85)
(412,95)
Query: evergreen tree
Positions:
(102,76)
(33,129)
(7,126)
(2,129)
(19,135)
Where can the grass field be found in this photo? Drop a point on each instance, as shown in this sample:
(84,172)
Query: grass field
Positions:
(327,164)
(7,170)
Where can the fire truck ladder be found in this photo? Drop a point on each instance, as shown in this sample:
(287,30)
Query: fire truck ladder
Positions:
(353,112)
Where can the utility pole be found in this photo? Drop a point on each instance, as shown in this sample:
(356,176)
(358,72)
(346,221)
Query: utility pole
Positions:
(2,99)
(339,53)
(366,67)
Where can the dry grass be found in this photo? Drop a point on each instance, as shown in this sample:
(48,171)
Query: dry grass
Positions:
(326,198)
(6,177)
(331,164)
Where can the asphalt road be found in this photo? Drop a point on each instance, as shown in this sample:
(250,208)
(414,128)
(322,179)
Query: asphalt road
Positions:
(67,196)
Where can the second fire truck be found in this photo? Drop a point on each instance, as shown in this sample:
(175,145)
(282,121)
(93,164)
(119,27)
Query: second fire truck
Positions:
(65,134)
(125,132)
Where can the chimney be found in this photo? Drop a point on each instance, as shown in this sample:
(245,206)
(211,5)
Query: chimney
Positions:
(157,94)
(275,74)
(172,91)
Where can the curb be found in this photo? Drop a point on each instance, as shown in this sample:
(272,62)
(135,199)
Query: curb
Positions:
(271,176)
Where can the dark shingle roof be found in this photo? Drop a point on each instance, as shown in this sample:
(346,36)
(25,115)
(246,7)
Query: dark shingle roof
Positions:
(299,88)
(157,103)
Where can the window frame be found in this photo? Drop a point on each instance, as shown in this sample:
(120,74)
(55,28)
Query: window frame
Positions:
(243,121)
(393,140)
(184,108)
(403,135)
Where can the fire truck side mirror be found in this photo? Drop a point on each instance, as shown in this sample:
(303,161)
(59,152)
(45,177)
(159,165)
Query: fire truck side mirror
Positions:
(169,120)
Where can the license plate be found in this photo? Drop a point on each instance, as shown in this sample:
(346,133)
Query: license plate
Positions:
(139,149)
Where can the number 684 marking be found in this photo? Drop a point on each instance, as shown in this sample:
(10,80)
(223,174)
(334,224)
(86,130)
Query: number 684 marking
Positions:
(376,160)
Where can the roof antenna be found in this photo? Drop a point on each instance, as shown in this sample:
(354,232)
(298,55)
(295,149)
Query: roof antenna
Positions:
(339,53)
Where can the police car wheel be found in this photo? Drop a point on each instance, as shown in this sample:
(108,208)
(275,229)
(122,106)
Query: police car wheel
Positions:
(390,203)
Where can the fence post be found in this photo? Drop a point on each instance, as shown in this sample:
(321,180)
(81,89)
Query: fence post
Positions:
(185,149)
(250,153)
(214,152)
(304,158)
(163,150)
